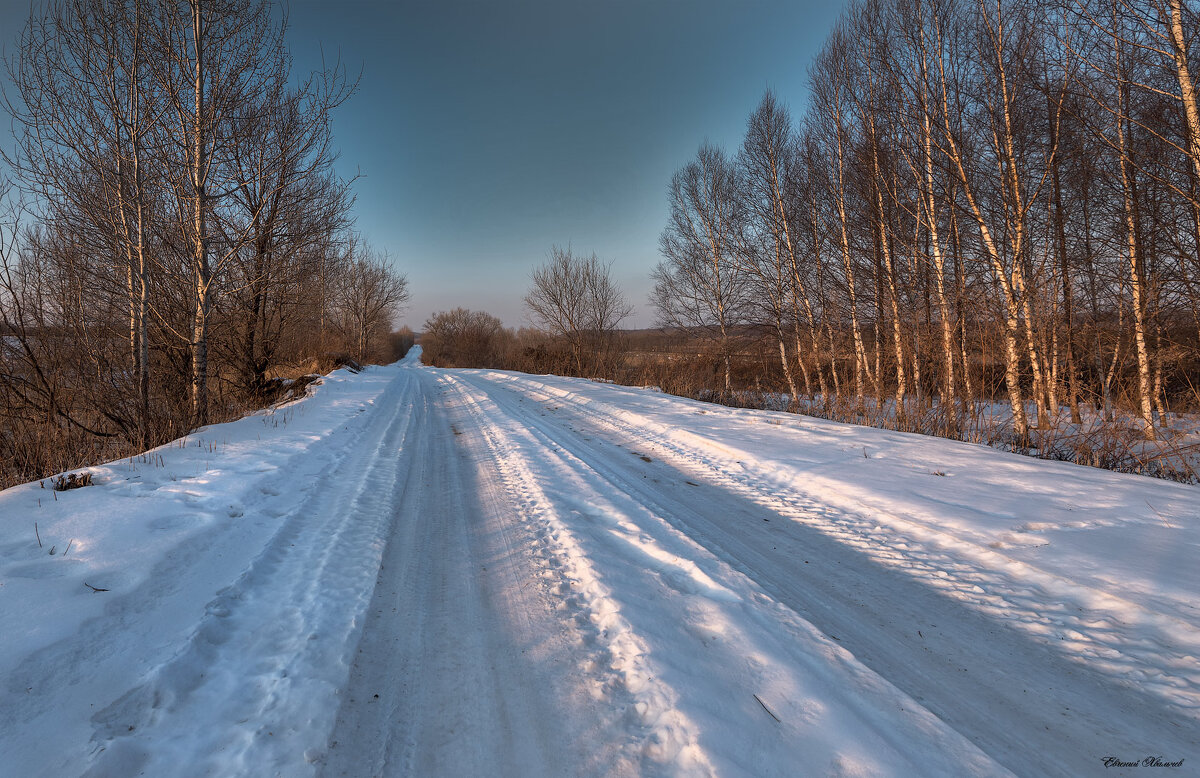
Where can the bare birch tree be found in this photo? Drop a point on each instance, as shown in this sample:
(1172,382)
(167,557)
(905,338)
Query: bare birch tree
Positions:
(700,284)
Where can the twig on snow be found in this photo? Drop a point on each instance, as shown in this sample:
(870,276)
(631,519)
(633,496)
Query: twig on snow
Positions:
(768,710)
(1159,515)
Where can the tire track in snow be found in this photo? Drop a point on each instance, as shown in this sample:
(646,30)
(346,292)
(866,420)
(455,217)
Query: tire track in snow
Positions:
(456,672)
(662,738)
(721,639)
(712,636)
(322,558)
(1084,622)
(1095,713)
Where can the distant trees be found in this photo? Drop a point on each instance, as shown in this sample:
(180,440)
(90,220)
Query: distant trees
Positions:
(985,198)
(367,295)
(463,338)
(185,232)
(575,307)
(575,299)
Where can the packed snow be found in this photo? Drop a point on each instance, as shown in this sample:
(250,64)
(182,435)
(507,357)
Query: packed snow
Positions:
(414,571)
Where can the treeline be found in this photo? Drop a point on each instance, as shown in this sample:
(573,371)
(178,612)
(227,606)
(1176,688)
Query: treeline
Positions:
(576,307)
(477,339)
(984,199)
(176,237)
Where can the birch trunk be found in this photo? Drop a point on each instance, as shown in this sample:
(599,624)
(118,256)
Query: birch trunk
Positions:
(200,258)
(935,245)
(893,299)
(1187,87)
(1006,282)
(1137,282)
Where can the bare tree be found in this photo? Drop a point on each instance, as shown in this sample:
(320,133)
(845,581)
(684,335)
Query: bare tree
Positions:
(768,161)
(369,294)
(576,299)
(832,128)
(84,108)
(700,283)
(287,203)
(214,60)
(462,338)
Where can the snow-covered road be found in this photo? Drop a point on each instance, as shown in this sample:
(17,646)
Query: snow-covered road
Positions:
(428,572)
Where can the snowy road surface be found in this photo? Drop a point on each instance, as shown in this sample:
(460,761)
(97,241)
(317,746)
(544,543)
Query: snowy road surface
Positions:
(427,572)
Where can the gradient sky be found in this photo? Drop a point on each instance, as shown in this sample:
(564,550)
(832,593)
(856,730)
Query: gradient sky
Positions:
(486,132)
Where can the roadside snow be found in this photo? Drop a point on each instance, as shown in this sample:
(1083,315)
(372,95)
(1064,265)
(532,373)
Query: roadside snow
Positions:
(1032,542)
(182,540)
(418,571)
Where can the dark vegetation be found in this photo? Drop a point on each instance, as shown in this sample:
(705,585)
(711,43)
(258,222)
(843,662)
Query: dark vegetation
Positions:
(175,246)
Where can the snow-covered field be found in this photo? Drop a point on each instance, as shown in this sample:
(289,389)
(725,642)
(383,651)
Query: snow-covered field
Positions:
(428,572)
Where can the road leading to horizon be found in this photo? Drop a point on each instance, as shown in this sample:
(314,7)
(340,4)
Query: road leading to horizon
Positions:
(494,573)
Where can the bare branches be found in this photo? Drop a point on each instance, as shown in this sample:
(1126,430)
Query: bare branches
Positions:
(576,299)
(185,222)
(367,294)
(1010,193)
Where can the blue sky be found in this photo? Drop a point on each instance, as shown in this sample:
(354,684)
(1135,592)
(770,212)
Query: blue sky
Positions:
(486,132)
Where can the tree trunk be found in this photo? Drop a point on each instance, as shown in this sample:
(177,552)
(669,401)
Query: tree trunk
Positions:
(203,271)
(1060,244)
(1187,88)
(787,368)
(885,251)
(1136,274)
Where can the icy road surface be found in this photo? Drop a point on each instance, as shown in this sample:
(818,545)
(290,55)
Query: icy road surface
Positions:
(427,572)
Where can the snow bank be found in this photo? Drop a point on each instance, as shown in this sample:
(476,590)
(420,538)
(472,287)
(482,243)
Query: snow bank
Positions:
(139,562)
